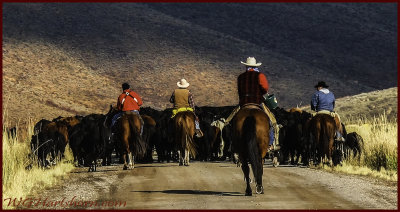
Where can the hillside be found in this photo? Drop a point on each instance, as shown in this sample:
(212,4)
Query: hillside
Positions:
(66,59)
(367,105)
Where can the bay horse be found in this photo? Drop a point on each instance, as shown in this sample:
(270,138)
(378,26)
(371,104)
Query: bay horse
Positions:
(322,129)
(250,140)
(184,130)
(128,136)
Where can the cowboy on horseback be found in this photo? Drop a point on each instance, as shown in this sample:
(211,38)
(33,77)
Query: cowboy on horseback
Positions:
(252,86)
(323,101)
(182,99)
(128,102)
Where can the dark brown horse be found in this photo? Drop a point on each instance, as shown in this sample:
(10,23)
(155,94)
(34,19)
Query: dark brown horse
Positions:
(128,135)
(322,129)
(250,141)
(184,131)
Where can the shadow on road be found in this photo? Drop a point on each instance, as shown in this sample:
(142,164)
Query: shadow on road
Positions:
(86,171)
(158,166)
(191,192)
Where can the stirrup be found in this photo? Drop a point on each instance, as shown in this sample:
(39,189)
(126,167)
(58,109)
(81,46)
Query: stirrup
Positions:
(341,138)
(199,133)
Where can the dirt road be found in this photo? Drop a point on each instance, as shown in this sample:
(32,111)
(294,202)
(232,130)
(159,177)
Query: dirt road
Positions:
(219,185)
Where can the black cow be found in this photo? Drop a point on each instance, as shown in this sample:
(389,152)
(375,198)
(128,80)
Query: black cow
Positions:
(292,134)
(50,140)
(209,144)
(354,144)
(39,126)
(90,139)
(148,137)
(11,132)
(161,139)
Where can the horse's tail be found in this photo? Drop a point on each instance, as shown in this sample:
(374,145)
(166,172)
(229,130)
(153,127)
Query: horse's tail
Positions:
(139,146)
(189,144)
(250,138)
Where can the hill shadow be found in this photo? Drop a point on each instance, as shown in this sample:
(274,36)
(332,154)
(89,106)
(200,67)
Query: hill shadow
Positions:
(194,192)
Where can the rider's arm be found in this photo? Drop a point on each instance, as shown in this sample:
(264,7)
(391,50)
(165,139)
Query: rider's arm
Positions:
(139,100)
(172,98)
(262,79)
(314,101)
(191,101)
(119,105)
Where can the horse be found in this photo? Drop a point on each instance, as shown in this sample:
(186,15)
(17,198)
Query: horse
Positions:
(250,140)
(184,132)
(128,136)
(322,129)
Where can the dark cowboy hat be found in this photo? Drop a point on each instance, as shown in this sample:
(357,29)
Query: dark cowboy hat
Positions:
(321,84)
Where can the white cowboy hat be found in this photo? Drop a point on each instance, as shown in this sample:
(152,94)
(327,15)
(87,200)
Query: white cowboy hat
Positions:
(251,61)
(183,83)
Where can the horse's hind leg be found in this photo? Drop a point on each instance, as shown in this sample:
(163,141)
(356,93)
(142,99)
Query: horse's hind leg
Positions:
(131,162)
(180,158)
(186,161)
(125,163)
(259,186)
(246,172)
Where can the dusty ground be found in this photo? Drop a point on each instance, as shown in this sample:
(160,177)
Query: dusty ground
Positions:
(218,185)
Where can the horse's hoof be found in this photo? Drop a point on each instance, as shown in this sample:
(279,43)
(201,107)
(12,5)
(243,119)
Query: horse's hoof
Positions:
(125,168)
(259,189)
(249,193)
(275,162)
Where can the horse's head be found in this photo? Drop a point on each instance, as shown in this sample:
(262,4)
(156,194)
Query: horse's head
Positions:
(110,114)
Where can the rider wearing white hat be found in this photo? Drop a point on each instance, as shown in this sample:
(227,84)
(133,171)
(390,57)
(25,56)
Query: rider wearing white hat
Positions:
(182,99)
(252,86)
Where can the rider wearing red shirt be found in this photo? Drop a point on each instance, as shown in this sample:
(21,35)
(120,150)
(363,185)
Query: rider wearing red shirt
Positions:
(128,100)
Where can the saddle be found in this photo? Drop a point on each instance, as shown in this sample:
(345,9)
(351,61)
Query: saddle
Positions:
(335,116)
(182,109)
(252,106)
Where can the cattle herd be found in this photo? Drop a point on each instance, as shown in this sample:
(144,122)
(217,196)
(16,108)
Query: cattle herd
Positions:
(90,140)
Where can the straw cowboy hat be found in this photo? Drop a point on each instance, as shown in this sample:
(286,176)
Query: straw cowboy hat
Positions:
(251,61)
(183,83)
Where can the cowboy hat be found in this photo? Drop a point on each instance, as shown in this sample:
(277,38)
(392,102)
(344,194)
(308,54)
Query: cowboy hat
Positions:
(251,61)
(183,83)
(321,84)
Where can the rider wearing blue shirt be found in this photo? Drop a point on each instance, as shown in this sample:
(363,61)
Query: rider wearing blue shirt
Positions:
(324,100)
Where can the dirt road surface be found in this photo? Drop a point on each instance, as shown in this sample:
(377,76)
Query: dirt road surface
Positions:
(214,185)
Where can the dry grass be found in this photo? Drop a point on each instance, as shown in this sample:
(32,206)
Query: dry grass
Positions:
(19,182)
(379,158)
